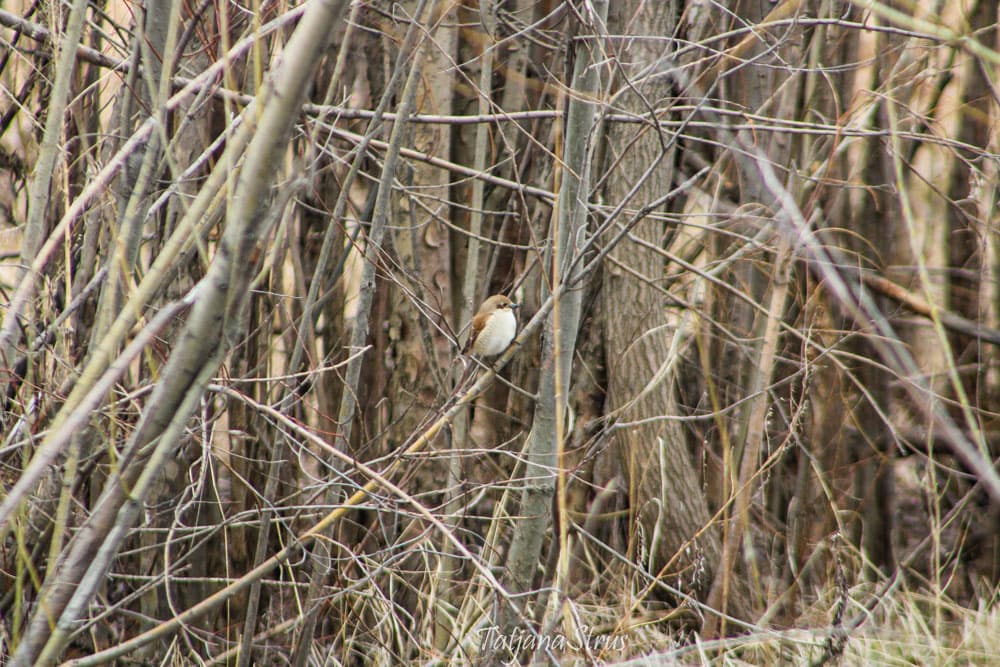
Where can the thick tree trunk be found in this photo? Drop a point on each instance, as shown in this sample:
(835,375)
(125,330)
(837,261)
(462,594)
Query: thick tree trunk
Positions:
(641,327)
(420,257)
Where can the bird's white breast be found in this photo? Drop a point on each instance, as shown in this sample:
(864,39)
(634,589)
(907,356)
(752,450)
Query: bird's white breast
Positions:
(497,334)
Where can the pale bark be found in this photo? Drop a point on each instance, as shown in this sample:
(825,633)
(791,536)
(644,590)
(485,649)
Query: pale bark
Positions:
(559,339)
(420,240)
(215,319)
(52,142)
(373,250)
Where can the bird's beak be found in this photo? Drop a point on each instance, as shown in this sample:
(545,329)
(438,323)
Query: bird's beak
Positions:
(515,306)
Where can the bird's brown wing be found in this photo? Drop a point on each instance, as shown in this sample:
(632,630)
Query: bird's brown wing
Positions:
(478,322)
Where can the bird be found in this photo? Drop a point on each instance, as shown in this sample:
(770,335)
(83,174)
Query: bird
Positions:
(493,327)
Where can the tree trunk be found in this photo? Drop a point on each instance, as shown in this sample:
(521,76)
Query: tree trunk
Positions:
(641,326)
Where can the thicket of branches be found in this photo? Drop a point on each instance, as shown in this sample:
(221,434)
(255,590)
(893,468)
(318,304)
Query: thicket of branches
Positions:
(751,412)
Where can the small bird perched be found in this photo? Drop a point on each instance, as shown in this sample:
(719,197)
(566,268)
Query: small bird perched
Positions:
(493,327)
